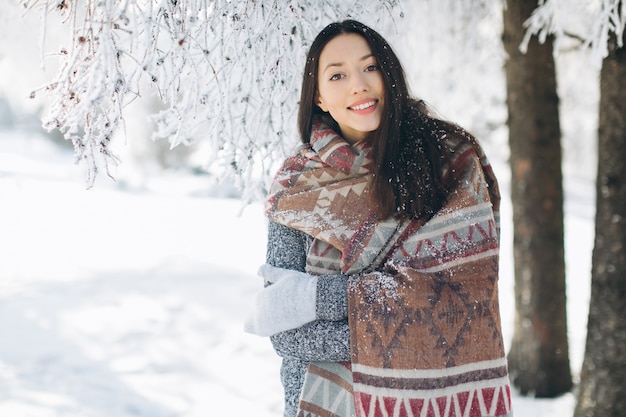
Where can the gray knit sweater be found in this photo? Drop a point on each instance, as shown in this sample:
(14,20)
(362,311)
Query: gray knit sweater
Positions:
(327,338)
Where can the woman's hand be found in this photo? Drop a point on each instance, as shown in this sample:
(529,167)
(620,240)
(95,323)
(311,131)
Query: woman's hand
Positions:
(288,302)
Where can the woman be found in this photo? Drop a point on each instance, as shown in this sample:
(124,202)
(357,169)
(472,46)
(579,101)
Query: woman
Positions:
(381,274)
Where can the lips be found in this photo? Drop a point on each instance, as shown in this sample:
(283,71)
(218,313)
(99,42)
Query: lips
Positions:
(364,106)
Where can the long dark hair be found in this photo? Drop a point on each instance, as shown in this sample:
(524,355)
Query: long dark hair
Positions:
(408,147)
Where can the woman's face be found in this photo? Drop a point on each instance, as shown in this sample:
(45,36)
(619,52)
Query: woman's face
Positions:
(350,86)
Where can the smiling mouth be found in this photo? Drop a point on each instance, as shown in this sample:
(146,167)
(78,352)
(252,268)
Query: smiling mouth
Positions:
(363,106)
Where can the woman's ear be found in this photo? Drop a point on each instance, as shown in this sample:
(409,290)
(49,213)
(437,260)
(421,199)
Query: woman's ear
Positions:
(320,103)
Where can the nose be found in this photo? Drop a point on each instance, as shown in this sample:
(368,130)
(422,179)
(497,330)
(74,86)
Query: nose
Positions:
(359,83)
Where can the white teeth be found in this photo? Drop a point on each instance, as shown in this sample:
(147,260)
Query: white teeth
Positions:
(364,105)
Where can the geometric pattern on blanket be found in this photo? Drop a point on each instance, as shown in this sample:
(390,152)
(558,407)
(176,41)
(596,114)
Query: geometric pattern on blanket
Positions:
(330,393)
(422,296)
(490,397)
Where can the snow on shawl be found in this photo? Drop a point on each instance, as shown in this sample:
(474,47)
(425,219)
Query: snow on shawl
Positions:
(423,299)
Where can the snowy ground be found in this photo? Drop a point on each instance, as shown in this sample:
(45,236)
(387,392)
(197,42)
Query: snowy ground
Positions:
(130,303)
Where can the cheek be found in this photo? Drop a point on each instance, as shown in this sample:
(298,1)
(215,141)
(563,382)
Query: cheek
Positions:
(331,93)
(380,84)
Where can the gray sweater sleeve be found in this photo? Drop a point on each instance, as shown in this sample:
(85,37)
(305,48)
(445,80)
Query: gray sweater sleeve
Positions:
(287,248)
(319,341)
(327,338)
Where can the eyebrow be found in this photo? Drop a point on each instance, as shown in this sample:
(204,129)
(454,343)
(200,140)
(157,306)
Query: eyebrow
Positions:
(338,64)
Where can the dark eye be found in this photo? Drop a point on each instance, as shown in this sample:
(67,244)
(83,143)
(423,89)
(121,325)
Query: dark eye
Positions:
(372,67)
(336,77)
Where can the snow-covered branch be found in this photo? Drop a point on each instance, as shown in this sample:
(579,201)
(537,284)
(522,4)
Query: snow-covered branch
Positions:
(228,72)
(611,19)
(601,19)
(543,22)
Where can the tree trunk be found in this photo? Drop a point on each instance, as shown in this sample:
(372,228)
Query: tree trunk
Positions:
(602,390)
(539,357)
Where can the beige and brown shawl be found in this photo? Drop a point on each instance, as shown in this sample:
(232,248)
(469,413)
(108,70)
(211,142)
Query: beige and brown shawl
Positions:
(423,298)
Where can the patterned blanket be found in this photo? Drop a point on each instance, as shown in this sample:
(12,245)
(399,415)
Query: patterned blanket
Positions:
(423,297)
